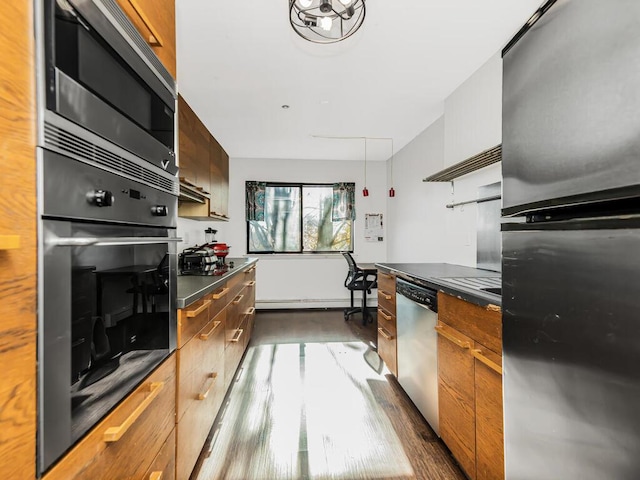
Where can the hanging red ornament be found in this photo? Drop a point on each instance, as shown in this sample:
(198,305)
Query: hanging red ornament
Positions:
(365,192)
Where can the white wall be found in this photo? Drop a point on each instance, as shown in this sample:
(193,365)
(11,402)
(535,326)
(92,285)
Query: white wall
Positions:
(298,281)
(473,113)
(422,228)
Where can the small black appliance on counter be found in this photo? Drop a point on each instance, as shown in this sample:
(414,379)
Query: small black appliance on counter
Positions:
(207,259)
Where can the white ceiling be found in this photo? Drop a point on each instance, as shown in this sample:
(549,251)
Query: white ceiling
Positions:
(240,61)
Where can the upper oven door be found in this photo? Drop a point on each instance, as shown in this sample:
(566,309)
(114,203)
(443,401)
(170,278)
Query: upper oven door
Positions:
(100,74)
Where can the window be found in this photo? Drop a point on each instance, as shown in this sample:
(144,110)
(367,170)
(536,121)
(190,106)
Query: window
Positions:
(296,218)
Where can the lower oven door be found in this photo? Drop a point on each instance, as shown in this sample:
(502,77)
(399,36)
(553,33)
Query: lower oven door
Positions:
(107,319)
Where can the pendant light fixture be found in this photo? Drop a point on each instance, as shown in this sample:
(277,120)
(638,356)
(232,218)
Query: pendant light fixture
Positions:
(392,192)
(326,21)
(365,190)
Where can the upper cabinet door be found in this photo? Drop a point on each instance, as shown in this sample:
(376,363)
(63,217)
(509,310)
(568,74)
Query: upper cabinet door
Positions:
(193,144)
(156,22)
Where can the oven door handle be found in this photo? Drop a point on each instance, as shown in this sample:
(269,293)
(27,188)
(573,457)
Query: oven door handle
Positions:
(108,241)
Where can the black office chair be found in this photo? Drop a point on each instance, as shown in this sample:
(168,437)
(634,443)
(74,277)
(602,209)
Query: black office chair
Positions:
(358,280)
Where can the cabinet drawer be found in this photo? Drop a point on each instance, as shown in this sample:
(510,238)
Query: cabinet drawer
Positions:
(236,343)
(192,319)
(387,300)
(482,324)
(113,448)
(164,465)
(387,344)
(387,321)
(249,274)
(220,298)
(386,281)
(194,426)
(199,361)
(236,284)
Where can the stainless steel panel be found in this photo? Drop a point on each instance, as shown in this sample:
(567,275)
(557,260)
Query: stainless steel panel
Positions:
(570,107)
(489,246)
(125,40)
(83,107)
(417,349)
(571,346)
(67,183)
(54,346)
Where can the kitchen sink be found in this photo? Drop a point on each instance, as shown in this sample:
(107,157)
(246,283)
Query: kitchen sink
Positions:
(494,290)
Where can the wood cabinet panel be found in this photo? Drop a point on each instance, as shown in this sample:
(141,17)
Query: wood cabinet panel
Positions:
(164,465)
(192,319)
(18,266)
(484,324)
(456,397)
(387,291)
(193,147)
(94,457)
(199,364)
(234,350)
(219,173)
(195,425)
(156,22)
(489,419)
(387,349)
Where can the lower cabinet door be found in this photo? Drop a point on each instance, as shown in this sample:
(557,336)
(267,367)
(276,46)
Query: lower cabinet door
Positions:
(164,465)
(234,350)
(200,412)
(127,441)
(456,396)
(489,420)
(387,340)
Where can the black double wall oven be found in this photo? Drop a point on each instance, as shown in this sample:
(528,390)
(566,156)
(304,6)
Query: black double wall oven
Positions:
(107,205)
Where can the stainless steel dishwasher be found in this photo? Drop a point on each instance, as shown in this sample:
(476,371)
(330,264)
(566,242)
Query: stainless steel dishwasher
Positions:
(417,315)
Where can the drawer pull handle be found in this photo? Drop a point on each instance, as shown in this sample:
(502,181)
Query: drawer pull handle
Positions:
(113,434)
(199,310)
(250,270)
(251,311)
(384,315)
(489,363)
(384,333)
(205,336)
(155,476)
(154,39)
(236,337)
(203,396)
(218,296)
(238,299)
(387,296)
(251,283)
(461,343)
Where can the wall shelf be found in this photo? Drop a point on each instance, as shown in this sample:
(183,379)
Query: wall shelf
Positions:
(471,164)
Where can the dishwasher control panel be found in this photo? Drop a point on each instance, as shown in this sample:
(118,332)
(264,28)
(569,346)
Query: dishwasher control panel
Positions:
(418,294)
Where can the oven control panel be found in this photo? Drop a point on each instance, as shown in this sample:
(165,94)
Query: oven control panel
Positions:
(73,189)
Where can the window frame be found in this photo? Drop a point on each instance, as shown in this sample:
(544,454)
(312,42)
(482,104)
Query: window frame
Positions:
(300,185)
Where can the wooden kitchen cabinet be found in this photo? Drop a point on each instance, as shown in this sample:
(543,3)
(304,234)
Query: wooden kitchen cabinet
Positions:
(112,448)
(204,169)
(18,228)
(156,22)
(470,385)
(213,334)
(193,147)
(387,332)
(219,174)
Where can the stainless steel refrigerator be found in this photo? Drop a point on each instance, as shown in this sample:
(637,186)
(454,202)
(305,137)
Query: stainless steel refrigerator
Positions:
(571,252)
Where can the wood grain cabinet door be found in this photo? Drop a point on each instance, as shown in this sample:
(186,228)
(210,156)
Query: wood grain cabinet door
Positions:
(387,340)
(456,396)
(156,22)
(489,420)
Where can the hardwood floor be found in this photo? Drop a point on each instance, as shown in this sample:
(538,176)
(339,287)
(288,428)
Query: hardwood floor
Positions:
(313,401)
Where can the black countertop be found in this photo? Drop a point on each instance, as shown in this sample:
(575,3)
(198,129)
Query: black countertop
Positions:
(442,277)
(194,287)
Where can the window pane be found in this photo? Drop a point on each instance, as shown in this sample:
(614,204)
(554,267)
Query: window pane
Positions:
(280,231)
(320,234)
